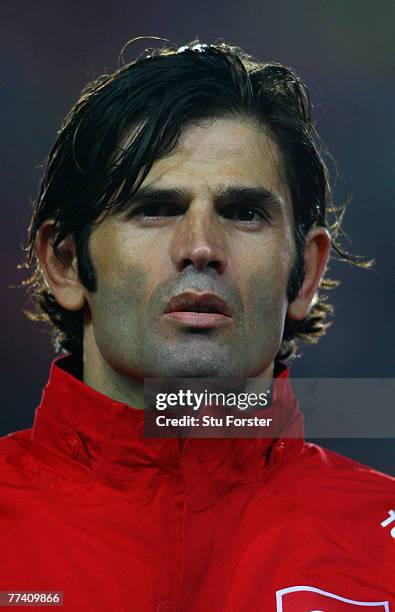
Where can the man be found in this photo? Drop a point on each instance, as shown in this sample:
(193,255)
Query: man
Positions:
(181,231)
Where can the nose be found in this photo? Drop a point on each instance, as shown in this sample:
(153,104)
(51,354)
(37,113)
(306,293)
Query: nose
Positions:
(199,240)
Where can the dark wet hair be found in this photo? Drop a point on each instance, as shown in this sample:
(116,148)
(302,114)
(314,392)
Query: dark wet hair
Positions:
(159,94)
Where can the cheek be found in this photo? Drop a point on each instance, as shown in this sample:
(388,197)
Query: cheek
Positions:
(121,285)
(115,306)
(266,286)
(129,271)
(115,259)
(266,304)
(127,262)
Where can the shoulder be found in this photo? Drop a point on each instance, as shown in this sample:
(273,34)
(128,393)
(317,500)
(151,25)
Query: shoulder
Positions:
(15,455)
(342,473)
(25,483)
(332,482)
(320,474)
(29,488)
(18,478)
(18,465)
(349,498)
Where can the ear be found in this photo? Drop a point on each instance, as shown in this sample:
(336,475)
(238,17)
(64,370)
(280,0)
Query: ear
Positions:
(60,268)
(317,246)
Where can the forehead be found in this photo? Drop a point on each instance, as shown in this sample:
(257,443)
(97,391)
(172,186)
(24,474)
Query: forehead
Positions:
(220,152)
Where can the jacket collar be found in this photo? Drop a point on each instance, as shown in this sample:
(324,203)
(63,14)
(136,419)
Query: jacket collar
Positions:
(89,435)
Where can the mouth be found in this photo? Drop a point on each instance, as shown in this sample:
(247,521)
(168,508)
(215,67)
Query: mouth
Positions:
(204,310)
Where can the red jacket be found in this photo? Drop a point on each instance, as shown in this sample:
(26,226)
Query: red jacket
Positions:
(118,522)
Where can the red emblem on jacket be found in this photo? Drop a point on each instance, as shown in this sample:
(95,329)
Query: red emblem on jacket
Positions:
(310,599)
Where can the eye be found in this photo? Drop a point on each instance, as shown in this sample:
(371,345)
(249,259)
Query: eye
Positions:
(155,210)
(246,213)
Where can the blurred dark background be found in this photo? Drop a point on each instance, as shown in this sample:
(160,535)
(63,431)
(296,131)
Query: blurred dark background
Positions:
(343,51)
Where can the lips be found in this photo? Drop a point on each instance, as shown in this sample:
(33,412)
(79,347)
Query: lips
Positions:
(198,302)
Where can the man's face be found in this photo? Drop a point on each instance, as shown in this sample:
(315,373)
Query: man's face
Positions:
(206,236)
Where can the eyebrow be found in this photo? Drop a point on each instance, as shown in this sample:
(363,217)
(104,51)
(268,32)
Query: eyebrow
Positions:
(224,194)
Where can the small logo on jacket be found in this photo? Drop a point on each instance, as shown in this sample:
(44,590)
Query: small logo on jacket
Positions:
(388,521)
(310,599)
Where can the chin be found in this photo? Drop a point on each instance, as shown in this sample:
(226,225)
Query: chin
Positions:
(194,370)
